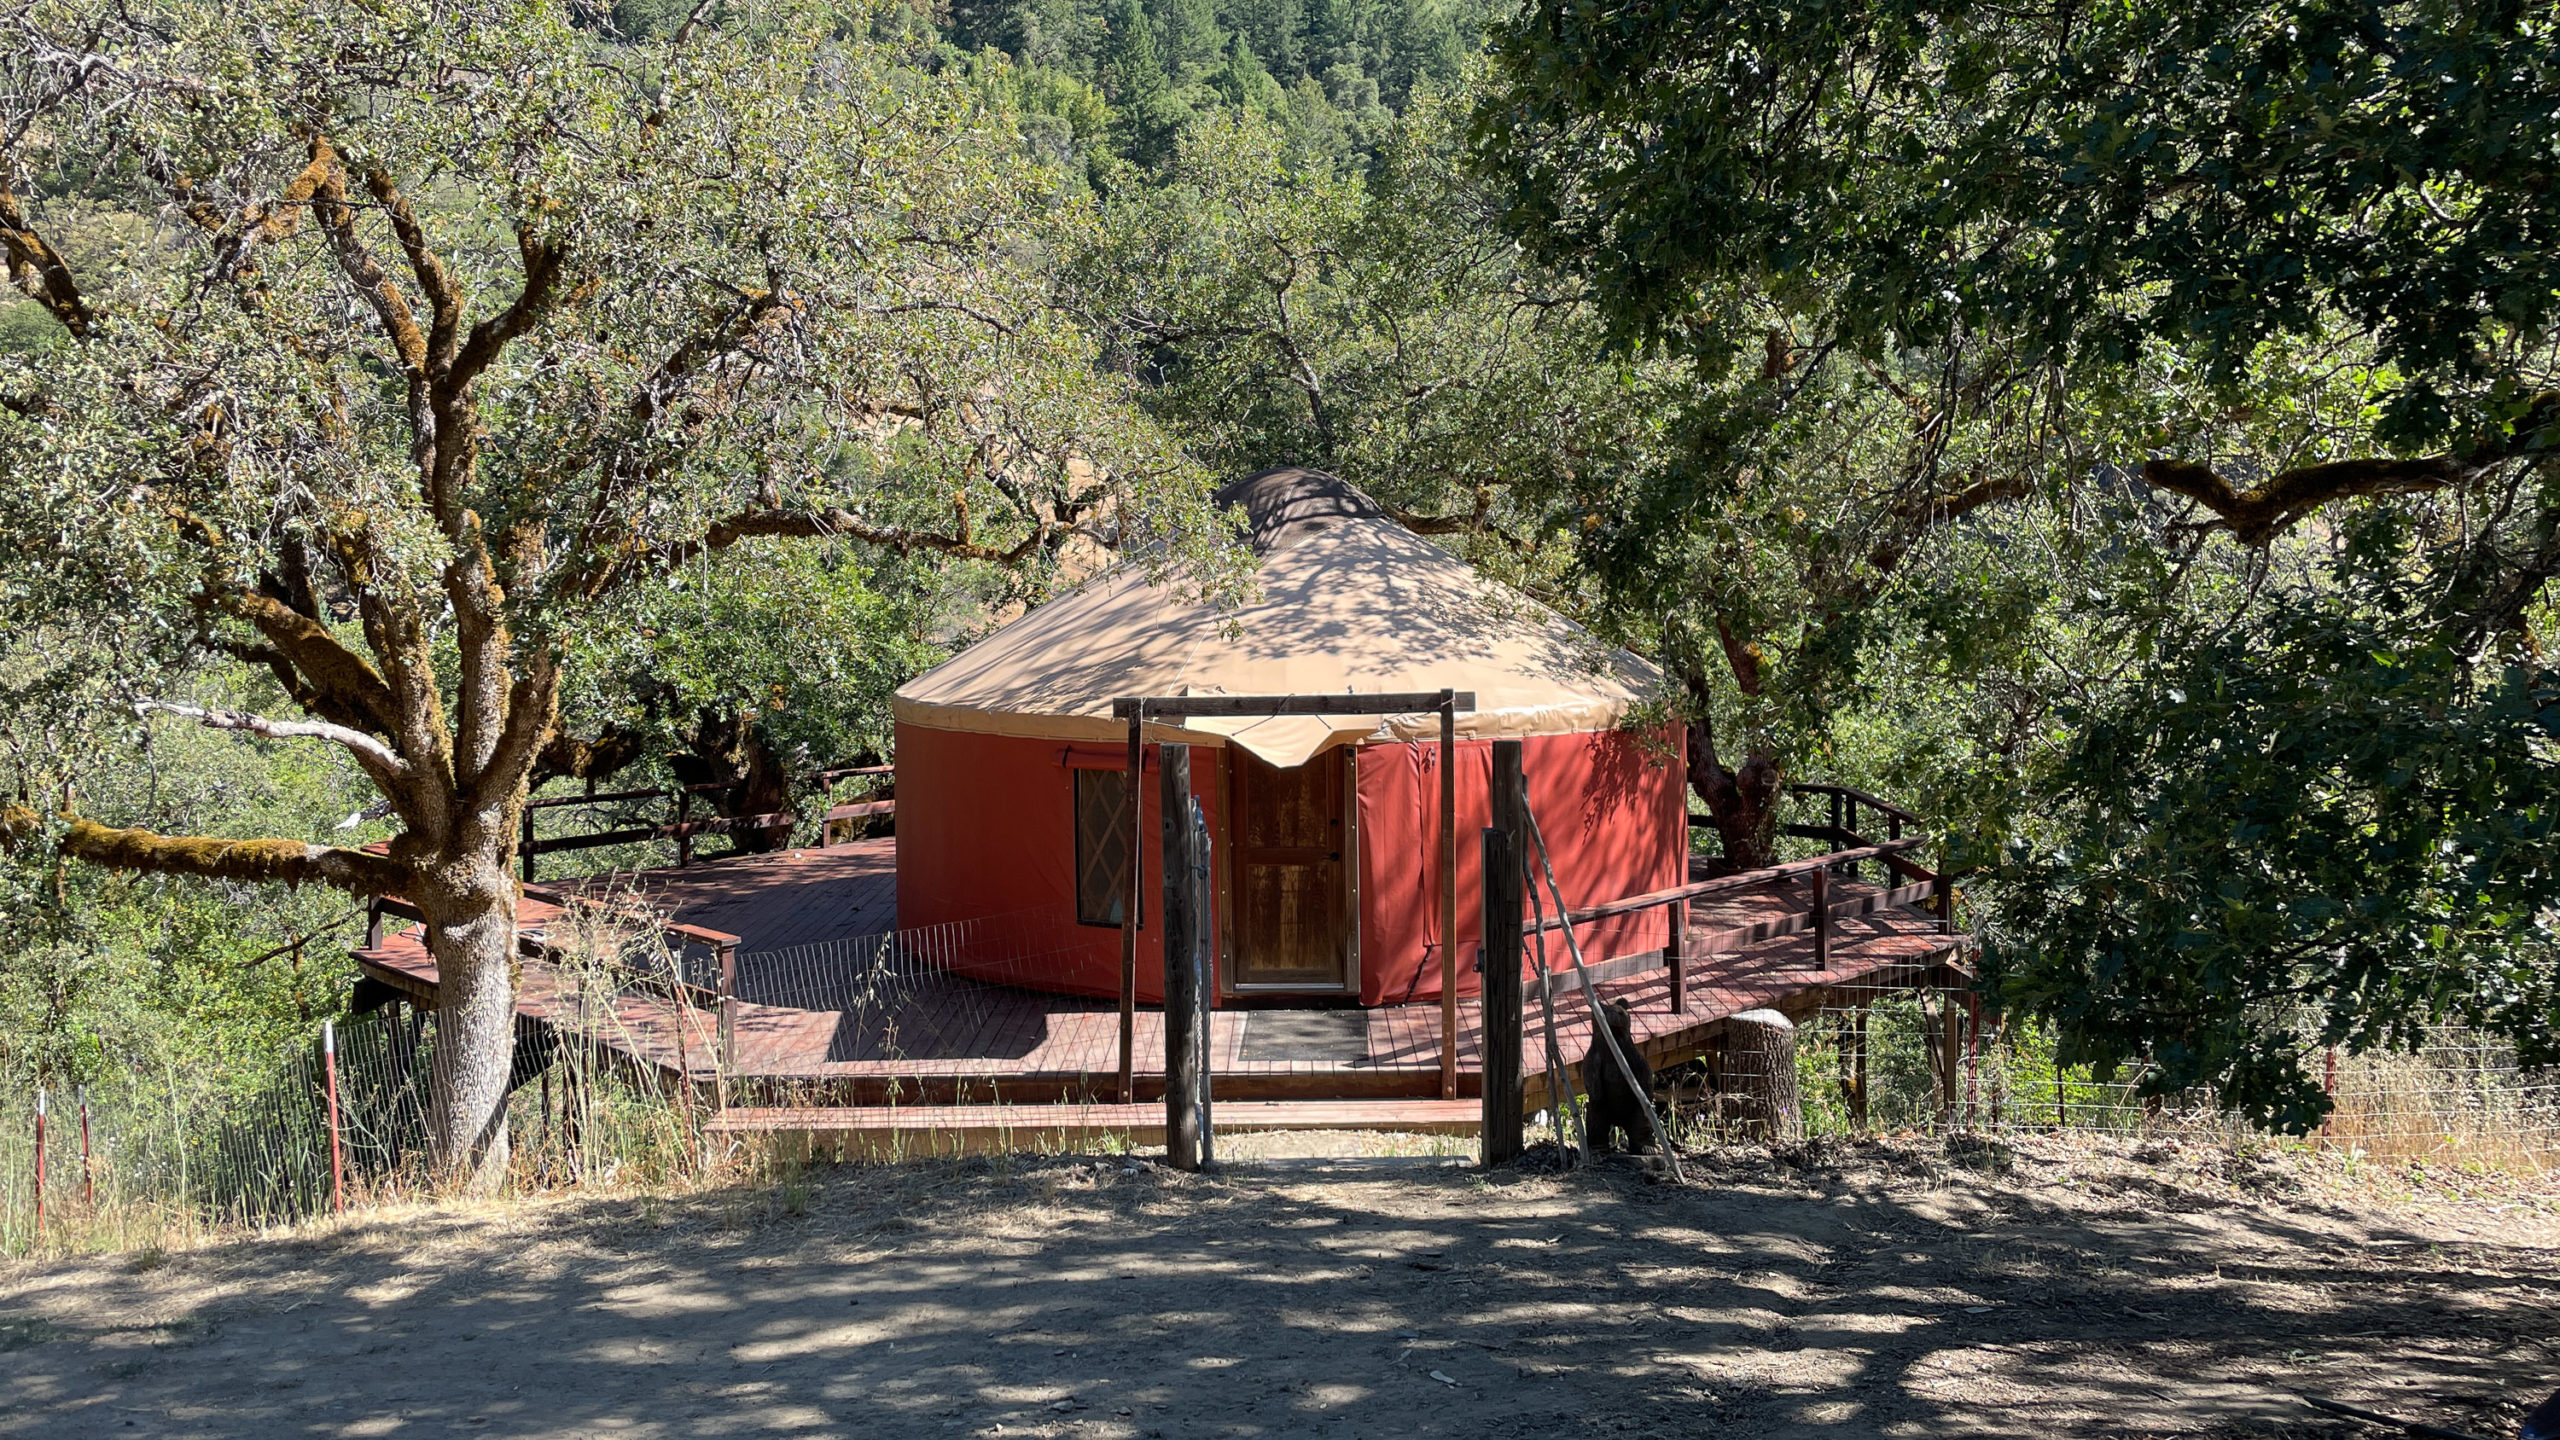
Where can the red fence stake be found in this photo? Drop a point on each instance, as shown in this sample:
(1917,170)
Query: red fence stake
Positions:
(39,1164)
(88,1184)
(329,1063)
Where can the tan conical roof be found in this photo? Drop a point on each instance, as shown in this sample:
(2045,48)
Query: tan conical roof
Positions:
(1351,603)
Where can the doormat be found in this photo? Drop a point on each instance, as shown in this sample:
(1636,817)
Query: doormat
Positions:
(1329,1037)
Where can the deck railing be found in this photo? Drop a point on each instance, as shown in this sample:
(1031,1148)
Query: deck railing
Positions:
(682,828)
(715,990)
(1924,886)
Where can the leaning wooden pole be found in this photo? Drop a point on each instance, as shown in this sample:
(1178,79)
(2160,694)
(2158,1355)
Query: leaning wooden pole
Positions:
(1129,909)
(1498,999)
(1591,1001)
(1181,978)
(1448,894)
(1569,1121)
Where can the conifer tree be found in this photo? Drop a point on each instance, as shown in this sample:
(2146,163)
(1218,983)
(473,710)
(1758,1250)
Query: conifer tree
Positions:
(1146,114)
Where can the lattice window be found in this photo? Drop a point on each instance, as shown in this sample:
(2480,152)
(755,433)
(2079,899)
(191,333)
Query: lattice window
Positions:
(1102,847)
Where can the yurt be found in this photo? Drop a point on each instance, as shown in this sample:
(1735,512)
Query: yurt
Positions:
(1325,831)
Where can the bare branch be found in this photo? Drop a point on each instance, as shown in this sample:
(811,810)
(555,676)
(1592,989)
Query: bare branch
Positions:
(365,746)
(2258,515)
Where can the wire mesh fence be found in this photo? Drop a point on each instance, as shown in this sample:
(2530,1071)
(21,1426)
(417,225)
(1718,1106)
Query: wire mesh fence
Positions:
(1915,1059)
(146,1158)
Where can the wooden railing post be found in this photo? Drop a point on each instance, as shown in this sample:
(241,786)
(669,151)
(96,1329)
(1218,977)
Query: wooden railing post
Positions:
(1129,914)
(1500,1002)
(1849,831)
(684,839)
(1678,944)
(728,1018)
(1181,979)
(1448,894)
(1821,919)
(1946,902)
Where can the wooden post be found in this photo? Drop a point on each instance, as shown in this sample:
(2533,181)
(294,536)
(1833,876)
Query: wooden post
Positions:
(1499,999)
(684,841)
(1677,943)
(1448,894)
(1946,902)
(1822,919)
(1181,980)
(728,1059)
(1760,1054)
(1849,823)
(1129,919)
(524,848)
(1949,1043)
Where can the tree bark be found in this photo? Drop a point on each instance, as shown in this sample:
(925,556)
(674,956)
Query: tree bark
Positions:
(728,750)
(471,930)
(1760,1064)
(1743,803)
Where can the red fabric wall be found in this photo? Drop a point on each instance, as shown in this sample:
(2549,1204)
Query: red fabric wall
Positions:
(986,855)
(1614,817)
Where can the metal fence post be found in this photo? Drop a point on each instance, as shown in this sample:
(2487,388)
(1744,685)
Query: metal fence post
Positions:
(40,1164)
(329,1066)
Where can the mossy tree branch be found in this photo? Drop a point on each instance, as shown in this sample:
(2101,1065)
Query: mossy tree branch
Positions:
(213,857)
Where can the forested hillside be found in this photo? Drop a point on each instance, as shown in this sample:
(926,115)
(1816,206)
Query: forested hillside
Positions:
(1130,76)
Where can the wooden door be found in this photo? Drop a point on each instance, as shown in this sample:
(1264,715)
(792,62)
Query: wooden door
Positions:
(1291,926)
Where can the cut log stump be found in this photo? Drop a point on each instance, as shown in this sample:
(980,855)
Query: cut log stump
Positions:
(1760,1073)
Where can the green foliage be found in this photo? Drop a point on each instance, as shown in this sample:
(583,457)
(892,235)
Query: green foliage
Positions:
(2094,181)
(794,639)
(1332,71)
(1370,322)
(105,973)
(2332,821)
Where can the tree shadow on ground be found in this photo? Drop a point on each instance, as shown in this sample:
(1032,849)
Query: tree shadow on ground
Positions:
(1877,1293)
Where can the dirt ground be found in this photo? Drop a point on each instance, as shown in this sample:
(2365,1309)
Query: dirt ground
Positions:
(2030,1287)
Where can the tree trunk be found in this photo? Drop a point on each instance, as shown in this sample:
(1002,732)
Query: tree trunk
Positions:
(726,749)
(1760,1066)
(1743,803)
(471,930)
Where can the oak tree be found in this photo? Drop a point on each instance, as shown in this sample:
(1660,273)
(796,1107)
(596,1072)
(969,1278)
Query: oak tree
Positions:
(451,324)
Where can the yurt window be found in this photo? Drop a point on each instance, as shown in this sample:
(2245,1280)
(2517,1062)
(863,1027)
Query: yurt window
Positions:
(1102,847)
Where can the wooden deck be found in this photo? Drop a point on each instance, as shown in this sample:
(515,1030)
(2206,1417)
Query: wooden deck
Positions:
(909,1033)
(909,1130)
